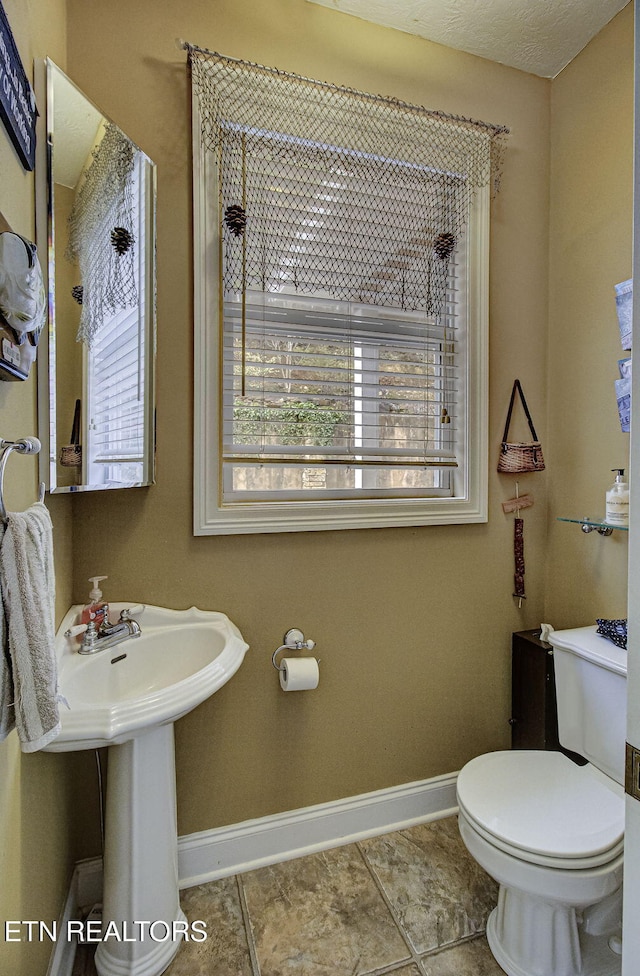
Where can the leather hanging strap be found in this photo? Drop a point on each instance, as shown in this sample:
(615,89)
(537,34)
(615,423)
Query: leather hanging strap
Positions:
(518,388)
(75,432)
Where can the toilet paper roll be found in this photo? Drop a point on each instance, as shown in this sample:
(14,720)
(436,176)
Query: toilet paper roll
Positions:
(299,673)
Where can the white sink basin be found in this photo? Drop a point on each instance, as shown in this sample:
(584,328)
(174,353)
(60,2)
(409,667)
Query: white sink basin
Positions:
(181,658)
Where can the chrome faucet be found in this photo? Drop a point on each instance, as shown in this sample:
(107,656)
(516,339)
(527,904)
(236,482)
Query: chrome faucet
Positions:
(107,634)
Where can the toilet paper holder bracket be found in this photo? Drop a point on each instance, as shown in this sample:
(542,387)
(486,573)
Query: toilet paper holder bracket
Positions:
(294,640)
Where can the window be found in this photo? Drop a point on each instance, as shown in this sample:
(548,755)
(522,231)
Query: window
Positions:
(115,396)
(321,405)
(324,400)
(117,374)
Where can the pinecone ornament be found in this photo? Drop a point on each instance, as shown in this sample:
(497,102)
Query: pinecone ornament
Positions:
(444,245)
(78,293)
(235,218)
(121,239)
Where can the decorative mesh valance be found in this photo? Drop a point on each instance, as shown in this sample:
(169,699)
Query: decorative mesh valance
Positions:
(101,234)
(330,191)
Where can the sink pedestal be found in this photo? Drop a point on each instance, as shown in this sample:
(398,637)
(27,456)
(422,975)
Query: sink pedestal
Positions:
(127,697)
(141,858)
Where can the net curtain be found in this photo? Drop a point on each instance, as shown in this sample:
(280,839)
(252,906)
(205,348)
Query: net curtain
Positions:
(328,191)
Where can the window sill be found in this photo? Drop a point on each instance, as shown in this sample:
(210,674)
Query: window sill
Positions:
(314,517)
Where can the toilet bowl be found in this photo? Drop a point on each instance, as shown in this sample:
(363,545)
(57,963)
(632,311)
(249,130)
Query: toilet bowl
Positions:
(551,832)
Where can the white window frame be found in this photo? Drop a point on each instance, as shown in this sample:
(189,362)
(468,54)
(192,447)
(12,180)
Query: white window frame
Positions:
(211,516)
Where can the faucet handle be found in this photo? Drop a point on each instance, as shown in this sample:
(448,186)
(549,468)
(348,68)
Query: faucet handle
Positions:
(90,640)
(75,631)
(129,614)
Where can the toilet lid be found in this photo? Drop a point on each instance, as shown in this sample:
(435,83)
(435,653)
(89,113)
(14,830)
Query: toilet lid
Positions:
(542,803)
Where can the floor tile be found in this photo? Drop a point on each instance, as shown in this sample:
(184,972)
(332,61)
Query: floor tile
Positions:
(466,959)
(438,892)
(321,915)
(225,951)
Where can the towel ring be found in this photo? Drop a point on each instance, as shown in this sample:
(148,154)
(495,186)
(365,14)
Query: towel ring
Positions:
(25,445)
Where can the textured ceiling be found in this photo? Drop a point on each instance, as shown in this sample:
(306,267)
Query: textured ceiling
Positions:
(538,36)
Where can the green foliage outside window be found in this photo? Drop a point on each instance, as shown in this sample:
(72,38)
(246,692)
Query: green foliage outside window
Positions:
(296,422)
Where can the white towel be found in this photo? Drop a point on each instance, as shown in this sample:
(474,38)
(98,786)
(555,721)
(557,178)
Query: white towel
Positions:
(27,585)
(7,719)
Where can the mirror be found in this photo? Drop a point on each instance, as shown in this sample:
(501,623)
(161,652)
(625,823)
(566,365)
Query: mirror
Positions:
(95,215)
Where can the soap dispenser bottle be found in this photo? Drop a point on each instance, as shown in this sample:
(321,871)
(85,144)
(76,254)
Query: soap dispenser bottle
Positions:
(617,507)
(96,610)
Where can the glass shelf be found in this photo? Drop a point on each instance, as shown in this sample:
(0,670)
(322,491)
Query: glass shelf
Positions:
(594,525)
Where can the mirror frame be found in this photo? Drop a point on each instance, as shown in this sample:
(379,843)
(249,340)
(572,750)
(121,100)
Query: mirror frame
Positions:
(46,72)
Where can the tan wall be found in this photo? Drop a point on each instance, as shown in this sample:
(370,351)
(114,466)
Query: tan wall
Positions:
(39,29)
(40,840)
(590,251)
(413,625)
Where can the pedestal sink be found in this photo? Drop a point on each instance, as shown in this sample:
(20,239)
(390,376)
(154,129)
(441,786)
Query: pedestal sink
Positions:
(127,697)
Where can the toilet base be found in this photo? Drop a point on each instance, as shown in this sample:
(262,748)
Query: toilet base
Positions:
(513,934)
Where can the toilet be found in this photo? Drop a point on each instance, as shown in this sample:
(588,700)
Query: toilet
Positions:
(550,831)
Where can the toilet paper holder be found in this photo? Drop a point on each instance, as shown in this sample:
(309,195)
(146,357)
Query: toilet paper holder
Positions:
(293,641)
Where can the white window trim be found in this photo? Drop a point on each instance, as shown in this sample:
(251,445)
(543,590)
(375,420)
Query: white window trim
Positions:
(210,517)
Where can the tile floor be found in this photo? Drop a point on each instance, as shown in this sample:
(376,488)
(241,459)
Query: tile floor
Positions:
(412,903)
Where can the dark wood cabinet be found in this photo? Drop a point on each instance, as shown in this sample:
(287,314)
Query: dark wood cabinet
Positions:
(534,721)
(534,718)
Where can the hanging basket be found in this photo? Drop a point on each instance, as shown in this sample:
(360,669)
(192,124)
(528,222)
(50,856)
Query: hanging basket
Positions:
(71,454)
(517,457)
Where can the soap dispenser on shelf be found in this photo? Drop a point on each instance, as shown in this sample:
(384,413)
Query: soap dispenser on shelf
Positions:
(617,501)
(96,610)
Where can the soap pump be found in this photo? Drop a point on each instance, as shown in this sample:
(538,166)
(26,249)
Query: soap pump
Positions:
(617,506)
(96,609)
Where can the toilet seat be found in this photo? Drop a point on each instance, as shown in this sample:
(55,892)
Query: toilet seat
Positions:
(542,808)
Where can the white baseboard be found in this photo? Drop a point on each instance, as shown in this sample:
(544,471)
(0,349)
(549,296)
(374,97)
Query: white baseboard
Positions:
(224,851)
(84,891)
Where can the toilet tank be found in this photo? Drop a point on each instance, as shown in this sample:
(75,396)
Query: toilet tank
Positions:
(591,689)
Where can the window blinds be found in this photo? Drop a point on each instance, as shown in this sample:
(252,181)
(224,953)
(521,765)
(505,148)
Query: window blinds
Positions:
(343,274)
(328,383)
(116,372)
(116,385)
(322,381)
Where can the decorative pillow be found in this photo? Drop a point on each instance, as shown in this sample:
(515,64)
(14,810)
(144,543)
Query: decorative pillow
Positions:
(613,630)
